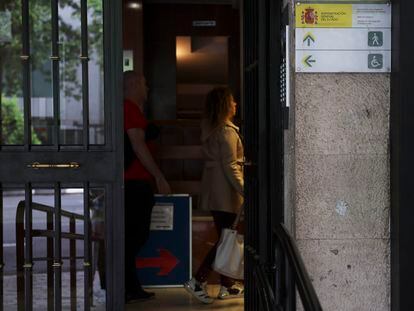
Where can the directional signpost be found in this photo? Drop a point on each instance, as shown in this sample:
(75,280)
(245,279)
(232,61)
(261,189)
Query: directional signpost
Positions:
(343,37)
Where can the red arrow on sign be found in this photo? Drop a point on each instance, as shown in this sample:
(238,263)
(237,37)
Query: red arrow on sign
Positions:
(166,262)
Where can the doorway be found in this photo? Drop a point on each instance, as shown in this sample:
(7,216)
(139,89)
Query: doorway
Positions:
(187,48)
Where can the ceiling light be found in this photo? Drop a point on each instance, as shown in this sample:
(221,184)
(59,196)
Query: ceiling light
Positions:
(134,5)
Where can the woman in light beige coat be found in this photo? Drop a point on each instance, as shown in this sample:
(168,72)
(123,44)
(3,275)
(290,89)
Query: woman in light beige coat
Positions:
(222,183)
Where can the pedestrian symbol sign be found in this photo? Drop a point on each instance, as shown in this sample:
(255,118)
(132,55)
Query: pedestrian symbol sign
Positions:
(375,61)
(375,38)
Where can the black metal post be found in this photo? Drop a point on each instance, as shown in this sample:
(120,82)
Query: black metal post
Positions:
(20,255)
(1,242)
(87,264)
(72,264)
(25,57)
(49,252)
(55,58)
(28,250)
(57,258)
(85,72)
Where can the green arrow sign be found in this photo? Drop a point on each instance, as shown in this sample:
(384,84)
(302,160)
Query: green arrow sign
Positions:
(307,61)
(309,38)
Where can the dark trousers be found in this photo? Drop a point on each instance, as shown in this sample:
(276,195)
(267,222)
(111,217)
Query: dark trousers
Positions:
(221,220)
(139,201)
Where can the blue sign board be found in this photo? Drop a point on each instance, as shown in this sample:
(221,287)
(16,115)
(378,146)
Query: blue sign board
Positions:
(165,260)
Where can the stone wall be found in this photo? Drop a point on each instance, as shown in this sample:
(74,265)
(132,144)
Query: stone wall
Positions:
(342,182)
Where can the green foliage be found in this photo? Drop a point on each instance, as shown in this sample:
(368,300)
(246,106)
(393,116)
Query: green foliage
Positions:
(13,123)
(40,44)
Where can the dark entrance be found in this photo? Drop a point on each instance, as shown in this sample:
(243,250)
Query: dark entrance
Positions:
(60,154)
(170,24)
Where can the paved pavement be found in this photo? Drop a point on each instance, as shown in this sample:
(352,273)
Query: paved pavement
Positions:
(40,293)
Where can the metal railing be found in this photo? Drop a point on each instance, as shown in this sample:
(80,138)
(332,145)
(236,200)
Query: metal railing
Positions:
(277,283)
(49,234)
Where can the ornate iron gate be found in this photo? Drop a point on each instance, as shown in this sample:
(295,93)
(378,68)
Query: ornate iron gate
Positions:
(60,151)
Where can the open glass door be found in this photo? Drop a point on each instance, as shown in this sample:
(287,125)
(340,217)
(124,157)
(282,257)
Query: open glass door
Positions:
(61,162)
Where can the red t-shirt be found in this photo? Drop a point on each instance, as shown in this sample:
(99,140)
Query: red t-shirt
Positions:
(134,118)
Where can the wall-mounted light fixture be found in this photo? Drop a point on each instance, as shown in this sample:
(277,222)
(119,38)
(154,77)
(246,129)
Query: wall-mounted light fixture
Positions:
(134,5)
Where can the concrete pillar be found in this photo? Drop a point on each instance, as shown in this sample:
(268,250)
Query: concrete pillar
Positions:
(338,171)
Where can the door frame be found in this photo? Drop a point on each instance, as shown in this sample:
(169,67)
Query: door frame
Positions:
(402,157)
(263,129)
(115,216)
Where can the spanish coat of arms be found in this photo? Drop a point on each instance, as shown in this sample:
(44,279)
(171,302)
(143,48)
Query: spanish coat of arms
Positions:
(309,16)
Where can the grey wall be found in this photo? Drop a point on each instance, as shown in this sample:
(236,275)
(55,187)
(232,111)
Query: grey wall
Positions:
(342,187)
(337,184)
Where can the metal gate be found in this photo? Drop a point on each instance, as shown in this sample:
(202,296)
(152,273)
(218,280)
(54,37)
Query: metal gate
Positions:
(263,131)
(61,164)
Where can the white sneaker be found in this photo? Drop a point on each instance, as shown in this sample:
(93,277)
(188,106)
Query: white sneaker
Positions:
(235,291)
(198,290)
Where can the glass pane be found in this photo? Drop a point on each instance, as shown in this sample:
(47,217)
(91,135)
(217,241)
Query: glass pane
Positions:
(71,119)
(96,73)
(11,101)
(41,71)
(42,198)
(97,209)
(74,255)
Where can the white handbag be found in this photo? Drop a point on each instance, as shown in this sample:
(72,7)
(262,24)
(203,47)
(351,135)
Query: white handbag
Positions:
(229,259)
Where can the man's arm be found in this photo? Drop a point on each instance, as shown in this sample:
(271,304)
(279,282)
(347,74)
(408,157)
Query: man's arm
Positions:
(137,138)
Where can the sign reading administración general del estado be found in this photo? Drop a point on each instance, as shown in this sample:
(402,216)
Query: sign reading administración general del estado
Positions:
(343,37)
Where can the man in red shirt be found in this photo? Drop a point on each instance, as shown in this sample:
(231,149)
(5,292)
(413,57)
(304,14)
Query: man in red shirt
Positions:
(139,177)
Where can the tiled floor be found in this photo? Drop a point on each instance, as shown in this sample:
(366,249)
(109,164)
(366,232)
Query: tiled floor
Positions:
(171,299)
(177,299)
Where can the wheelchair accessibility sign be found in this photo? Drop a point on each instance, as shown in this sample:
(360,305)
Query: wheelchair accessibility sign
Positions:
(343,61)
(375,61)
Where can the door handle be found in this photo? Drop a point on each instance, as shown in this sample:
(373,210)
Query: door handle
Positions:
(37,165)
(249,163)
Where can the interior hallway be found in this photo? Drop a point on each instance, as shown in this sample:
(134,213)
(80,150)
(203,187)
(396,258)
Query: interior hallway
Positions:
(177,299)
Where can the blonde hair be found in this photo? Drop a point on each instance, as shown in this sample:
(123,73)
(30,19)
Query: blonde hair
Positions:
(217,105)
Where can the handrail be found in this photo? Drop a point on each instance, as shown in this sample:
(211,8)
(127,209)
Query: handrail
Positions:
(305,287)
(280,296)
(264,287)
(46,208)
(49,234)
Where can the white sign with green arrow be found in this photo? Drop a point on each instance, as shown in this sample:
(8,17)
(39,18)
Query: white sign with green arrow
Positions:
(343,39)
(343,61)
(333,37)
